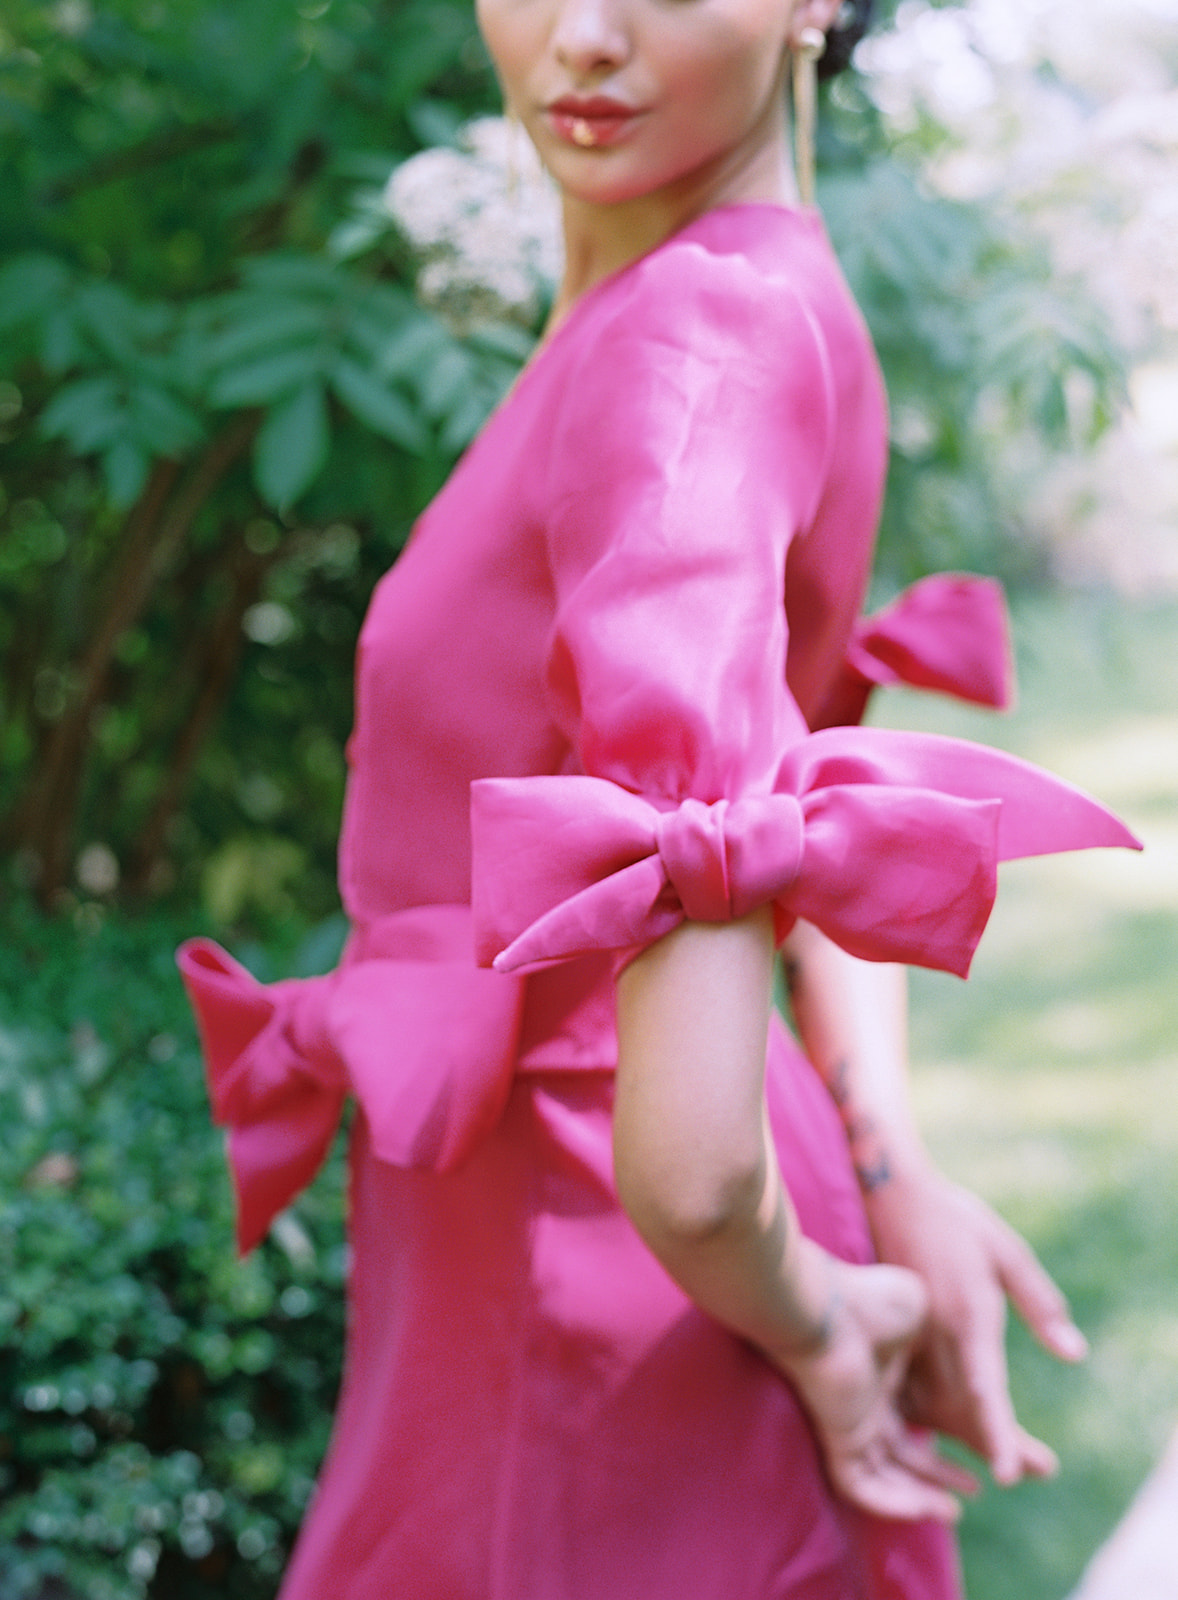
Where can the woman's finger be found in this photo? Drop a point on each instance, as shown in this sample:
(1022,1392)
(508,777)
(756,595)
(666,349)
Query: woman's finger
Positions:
(1036,1296)
(885,1487)
(1039,1459)
(917,1452)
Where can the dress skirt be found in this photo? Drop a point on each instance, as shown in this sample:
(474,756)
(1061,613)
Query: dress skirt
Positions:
(532,1409)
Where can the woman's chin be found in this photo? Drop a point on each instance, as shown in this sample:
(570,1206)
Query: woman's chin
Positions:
(596,180)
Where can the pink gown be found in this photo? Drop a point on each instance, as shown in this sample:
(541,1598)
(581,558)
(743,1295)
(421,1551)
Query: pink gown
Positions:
(588,626)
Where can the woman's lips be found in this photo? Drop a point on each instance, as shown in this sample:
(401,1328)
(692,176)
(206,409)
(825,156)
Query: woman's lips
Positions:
(590,124)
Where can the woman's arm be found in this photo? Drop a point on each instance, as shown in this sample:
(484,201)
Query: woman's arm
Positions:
(698,1176)
(852,1019)
(694,1169)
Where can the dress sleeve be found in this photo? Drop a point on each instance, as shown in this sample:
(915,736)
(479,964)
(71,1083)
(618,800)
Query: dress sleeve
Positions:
(692,446)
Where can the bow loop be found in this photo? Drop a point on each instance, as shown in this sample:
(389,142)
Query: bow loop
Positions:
(949,632)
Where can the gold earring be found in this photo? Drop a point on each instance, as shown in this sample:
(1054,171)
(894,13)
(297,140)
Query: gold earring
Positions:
(806,54)
(514,133)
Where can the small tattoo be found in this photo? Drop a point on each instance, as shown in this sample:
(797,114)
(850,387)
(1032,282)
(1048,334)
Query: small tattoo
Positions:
(875,1176)
(873,1166)
(840,1091)
(792,971)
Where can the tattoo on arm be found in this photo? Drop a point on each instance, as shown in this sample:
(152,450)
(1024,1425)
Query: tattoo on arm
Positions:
(791,967)
(869,1151)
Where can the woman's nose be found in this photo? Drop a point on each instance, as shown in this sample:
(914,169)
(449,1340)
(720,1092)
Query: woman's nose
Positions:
(591,36)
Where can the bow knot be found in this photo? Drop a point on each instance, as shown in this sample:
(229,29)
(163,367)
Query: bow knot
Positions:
(723,860)
(305,1021)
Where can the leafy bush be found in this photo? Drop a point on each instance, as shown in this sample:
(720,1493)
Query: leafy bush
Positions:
(219,420)
(163,1407)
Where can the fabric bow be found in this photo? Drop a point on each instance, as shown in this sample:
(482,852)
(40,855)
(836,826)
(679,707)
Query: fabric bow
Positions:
(888,842)
(424,1040)
(949,632)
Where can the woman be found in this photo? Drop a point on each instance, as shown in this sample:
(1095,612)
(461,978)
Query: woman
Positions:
(614,1330)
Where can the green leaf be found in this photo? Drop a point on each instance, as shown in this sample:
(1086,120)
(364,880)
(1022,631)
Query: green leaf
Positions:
(29,286)
(502,339)
(291,446)
(88,412)
(261,382)
(466,419)
(258,323)
(61,342)
(434,122)
(165,426)
(126,466)
(117,323)
(283,273)
(446,382)
(355,236)
(397,338)
(382,409)
(426,52)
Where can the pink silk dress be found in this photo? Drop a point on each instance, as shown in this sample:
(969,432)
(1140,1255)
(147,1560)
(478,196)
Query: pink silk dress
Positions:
(618,622)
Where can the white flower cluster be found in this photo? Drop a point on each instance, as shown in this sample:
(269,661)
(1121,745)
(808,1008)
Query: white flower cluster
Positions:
(1064,113)
(483,223)
(1066,109)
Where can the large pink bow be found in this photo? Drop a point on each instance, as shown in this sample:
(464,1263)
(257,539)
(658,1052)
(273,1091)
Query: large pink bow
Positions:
(888,842)
(949,632)
(423,1039)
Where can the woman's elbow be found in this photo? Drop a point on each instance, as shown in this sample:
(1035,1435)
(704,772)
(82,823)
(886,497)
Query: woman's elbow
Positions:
(679,1199)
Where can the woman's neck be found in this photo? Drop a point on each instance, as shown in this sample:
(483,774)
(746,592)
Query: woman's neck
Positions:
(603,239)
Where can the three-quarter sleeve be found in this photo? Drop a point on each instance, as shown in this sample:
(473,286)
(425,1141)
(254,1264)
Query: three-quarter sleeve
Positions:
(690,449)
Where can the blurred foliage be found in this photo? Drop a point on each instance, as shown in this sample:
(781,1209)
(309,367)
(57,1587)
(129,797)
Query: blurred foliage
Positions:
(222,406)
(163,1407)
(217,433)
(993,361)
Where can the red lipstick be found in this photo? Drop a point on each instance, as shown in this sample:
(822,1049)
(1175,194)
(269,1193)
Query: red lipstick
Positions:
(591,121)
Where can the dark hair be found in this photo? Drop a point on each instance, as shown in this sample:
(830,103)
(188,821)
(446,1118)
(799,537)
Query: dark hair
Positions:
(849,26)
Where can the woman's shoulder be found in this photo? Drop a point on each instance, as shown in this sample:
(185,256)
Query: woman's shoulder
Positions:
(727,303)
(699,367)
(739,276)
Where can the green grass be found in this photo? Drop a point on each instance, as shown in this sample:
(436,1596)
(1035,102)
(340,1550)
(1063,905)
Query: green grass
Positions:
(1050,1081)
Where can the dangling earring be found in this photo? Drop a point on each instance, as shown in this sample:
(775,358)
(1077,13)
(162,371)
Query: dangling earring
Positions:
(806,54)
(512,165)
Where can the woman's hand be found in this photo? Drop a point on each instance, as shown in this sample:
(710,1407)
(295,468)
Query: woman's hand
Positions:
(850,1386)
(971,1263)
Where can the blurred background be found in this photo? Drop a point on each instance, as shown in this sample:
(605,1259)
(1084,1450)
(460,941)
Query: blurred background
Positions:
(264,269)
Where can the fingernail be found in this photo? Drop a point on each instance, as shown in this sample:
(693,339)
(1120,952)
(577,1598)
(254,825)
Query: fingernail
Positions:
(1006,1472)
(1069,1341)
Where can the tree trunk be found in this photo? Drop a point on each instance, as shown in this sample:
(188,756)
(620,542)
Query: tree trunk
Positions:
(44,820)
(213,668)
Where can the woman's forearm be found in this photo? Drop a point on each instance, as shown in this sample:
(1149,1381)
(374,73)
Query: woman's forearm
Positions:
(697,1173)
(696,1169)
(852,1017)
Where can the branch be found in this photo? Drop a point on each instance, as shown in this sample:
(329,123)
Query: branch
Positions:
(44,820)
(148,153)
(213,665)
